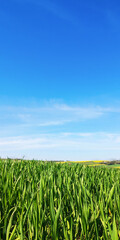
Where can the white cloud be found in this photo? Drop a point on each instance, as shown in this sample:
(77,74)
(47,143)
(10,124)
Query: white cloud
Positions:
(51,114)
(31,131)
(73,146)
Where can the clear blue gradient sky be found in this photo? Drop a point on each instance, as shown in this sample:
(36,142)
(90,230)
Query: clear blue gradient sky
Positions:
(60,79)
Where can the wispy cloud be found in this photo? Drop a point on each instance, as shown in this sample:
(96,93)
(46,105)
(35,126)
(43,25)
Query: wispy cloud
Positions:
(54,7)
(50,115)
(110,14)
(73,146)
(31,131)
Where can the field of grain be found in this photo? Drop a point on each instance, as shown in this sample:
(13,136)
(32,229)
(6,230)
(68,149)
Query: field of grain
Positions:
(45,200)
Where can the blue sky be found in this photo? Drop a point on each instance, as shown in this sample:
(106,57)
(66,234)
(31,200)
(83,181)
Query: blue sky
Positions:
(60,79)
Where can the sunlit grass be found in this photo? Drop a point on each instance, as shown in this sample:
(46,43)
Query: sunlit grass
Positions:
(49,201)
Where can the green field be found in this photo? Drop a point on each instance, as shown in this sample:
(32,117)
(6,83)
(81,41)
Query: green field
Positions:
(46,200)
